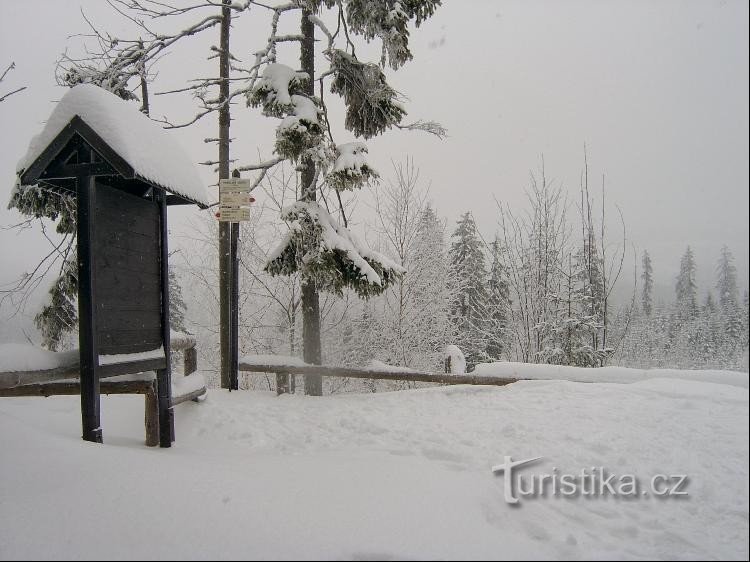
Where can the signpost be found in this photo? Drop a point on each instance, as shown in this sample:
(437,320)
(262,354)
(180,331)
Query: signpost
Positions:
(234,201)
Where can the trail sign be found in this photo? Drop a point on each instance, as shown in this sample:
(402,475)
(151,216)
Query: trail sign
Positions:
(229,185)
(235,199)
(233,214)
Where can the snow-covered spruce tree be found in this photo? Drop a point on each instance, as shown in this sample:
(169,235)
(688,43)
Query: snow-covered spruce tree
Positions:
(647,298)
(319,245)
(431,291)
(177,305)
(569,335)
(685,287)
(498,304)
(726,279)
(733,324)
(470,306)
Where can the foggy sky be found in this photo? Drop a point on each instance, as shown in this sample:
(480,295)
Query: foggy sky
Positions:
(657,90)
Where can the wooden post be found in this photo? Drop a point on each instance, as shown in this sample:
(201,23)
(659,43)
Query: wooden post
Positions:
(234,306)
(88,344)
(225,264)
(164,376)
(152,418)
(282,383)
(190,361)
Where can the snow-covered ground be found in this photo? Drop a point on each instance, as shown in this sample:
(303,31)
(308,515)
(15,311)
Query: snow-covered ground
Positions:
(393,475)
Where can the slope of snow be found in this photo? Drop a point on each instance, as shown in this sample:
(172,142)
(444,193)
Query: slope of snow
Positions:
(507,369)
(378,476)
(154,153)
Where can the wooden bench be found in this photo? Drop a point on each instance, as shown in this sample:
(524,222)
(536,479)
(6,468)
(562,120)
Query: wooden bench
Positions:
(116,379)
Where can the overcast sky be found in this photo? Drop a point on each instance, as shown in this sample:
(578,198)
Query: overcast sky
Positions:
(658,91)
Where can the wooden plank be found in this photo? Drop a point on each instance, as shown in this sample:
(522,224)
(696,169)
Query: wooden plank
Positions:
(115,342)
(122,260)
(11,379)
(351,372)
(129,320)
(130,367)
(128,240)
(75,170)
(22,378)
(73,388)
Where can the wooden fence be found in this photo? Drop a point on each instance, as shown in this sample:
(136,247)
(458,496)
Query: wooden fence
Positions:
(284,382)
(116,379)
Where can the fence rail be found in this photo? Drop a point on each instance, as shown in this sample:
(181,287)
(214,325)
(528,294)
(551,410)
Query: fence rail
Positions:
(284,371)
(64,381)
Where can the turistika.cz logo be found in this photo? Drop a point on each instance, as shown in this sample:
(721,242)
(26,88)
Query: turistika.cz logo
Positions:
(595,481)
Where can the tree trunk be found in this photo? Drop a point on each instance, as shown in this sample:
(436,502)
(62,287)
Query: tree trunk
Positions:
(310,300)
(224,229)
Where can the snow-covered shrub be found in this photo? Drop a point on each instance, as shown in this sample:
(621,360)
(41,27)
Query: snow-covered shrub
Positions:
(275,89)
(300,132)
(351,169)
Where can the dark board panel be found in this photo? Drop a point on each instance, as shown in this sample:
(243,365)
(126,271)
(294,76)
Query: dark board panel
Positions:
(127,272)
(118,341)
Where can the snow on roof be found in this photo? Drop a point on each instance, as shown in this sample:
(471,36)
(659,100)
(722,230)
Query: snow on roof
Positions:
(152,152)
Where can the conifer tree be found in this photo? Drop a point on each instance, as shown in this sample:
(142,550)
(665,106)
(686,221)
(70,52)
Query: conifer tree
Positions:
(685,288)
(498,304)
(319,245)
(647,278)
(176,302)
(726,279)
(470,306)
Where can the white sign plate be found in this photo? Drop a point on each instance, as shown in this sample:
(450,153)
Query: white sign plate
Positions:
(235,199)
(234,214)
(235,184)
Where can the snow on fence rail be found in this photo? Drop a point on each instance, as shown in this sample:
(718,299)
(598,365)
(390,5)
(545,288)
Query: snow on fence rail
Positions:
(495,374)
(285,366)
(533,371)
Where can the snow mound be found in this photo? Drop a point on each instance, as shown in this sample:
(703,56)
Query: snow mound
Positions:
(16,357)
(507,369)
(153,153)
(457,360)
